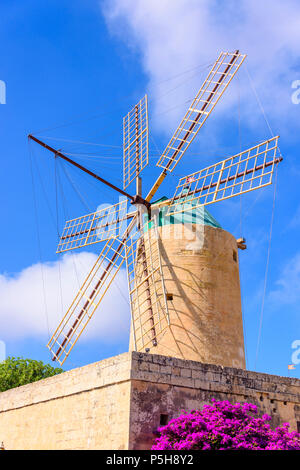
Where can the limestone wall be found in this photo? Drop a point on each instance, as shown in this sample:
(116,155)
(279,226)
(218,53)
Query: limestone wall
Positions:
(164,386)
(119,402)
(86,408)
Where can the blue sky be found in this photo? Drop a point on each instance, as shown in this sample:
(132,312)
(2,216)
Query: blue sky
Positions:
(72,71)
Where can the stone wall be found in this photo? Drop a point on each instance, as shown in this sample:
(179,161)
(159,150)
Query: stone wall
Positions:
(86,408)
(119,402)
(164,386)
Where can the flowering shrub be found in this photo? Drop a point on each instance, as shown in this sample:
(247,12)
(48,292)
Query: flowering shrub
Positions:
(222,426)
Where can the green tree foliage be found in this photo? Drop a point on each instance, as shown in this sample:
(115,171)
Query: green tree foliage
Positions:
(17,371)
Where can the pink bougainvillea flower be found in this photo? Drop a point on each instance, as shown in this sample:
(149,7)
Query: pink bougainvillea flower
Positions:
(223,426)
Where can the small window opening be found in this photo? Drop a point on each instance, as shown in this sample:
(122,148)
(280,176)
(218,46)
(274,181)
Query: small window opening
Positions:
(169,296)
(234,255)
(272,401)
(261,398)
(298,426)
(285,403)
(163,419)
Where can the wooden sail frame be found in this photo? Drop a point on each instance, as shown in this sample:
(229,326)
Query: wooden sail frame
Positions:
(135,142)
(87,300)
(147,293)
(215,84)
(246,171)
(96,227)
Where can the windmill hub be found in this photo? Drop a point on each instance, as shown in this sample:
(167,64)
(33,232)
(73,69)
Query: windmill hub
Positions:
(137,199)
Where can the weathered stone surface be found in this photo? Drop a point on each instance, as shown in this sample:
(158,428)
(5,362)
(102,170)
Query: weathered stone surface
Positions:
(205,313)
(117,403)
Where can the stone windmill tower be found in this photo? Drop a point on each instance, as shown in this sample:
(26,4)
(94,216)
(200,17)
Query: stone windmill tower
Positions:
(199,262)
(182,267)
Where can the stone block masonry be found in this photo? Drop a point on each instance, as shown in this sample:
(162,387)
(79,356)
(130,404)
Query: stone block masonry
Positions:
(118,403)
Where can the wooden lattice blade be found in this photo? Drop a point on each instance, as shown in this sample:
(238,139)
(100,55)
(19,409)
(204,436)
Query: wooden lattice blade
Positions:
(209,94)
(149,308)
(249,170)
(135,142)
(87,300)
(93,228)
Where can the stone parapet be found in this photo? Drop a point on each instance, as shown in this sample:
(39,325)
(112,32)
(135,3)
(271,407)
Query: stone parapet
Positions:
(119,402)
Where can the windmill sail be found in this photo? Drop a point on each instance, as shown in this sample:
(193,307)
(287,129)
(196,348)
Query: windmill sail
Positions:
(249,170)
(135,142)
(96,227)
(149,309)
(87,300)
(216,82)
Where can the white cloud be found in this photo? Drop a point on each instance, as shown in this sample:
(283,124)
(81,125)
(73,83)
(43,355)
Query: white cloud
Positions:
(287,291)
(22,307)
(172,36)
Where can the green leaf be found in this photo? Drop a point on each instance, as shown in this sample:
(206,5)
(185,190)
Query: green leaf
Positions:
(17,371)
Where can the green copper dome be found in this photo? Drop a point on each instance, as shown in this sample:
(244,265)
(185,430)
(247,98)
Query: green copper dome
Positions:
(199,215)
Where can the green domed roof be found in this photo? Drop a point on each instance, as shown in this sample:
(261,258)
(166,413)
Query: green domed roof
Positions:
(199,215)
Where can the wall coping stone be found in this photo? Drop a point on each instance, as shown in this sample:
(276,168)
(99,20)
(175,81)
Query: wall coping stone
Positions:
(136,366)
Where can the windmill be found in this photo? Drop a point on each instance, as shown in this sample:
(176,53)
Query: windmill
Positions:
(125,234)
